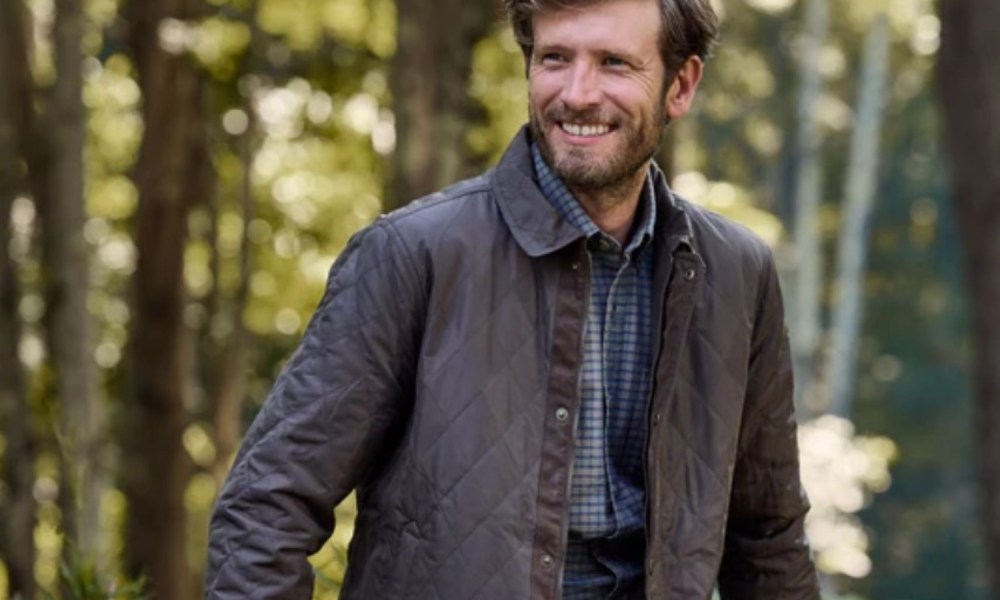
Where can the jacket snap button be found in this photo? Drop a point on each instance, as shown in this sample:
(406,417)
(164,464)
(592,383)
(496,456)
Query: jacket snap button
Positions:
(689,274)
(562,414)
(656,419)
(547,561)
(575,266)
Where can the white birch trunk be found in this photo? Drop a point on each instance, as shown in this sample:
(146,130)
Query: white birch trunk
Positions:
(862,177)
(806,328)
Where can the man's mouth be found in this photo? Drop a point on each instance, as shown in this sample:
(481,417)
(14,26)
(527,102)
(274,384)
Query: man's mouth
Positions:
(584,129)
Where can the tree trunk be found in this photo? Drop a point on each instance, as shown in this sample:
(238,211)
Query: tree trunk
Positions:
(429,80)
(225,376)
(805,330)
(862,177)
(173,172)
(230,387)
(18,509)
(224,337)
(18,513)
(969,86)
(68,321)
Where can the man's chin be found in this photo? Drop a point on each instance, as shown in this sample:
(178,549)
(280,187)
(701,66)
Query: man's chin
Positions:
(582,176)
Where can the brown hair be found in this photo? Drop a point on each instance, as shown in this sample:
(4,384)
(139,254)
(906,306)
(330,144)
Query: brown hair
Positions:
(687,27)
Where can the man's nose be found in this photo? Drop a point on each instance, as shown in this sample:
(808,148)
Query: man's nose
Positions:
(582,86)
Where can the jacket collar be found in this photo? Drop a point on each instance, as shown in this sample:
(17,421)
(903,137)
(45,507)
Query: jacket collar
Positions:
(674,230)
(540,229)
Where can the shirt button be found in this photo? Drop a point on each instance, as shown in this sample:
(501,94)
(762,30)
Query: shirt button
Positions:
(690,274)
(562,414)
(547,561)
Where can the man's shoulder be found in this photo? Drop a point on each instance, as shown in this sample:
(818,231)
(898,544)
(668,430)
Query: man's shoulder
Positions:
(459,218)
(439,209)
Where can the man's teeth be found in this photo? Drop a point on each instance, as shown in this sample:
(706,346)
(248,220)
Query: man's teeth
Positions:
(585,130)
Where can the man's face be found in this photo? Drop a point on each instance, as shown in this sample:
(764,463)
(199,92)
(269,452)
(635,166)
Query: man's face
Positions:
(597,93)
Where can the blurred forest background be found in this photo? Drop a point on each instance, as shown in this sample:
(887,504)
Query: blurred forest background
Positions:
(177,176)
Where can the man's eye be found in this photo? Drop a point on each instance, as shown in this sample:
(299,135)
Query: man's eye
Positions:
(552,57)
(614,61)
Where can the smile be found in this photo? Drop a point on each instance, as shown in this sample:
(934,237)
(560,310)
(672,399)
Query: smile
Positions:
(585,130)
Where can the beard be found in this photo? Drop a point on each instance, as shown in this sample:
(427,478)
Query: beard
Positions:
(585,169)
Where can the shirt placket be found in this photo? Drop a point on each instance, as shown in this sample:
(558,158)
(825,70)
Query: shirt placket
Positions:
(613,294)
(611,340)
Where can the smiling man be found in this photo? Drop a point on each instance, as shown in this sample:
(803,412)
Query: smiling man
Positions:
(555,380)
(598,89)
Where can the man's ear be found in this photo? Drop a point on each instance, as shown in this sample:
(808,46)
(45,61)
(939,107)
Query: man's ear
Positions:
(682,89)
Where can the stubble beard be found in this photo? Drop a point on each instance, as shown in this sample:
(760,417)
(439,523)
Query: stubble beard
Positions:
(588,174)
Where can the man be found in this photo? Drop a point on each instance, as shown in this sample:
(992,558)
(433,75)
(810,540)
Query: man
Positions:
(556,380)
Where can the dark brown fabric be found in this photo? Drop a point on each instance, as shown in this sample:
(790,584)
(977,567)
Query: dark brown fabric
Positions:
(430,378)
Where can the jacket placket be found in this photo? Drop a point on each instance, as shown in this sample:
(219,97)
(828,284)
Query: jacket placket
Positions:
(684,272)
(559,428)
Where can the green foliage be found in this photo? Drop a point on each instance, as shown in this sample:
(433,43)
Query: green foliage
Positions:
(330,574)
(330,563)
(83,580)
(500,85)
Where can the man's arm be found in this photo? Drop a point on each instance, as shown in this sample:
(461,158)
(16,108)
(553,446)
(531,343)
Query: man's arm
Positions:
(766,554)
(324,423)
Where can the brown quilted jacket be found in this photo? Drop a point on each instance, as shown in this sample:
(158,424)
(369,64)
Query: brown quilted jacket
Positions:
(439,375)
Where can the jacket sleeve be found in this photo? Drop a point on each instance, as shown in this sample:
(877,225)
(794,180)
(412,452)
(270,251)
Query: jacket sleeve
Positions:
(766,555)
(333,410)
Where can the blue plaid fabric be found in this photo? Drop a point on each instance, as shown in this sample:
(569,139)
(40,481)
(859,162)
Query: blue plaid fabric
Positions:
(607,505)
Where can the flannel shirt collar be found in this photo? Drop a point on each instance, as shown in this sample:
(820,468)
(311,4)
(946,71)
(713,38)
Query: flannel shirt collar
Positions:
(556,192)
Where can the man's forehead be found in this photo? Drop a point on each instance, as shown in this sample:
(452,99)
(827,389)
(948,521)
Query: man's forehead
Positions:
(619,22)
(607,8)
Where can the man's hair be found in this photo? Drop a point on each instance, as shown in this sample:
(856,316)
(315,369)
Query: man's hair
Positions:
(687,27)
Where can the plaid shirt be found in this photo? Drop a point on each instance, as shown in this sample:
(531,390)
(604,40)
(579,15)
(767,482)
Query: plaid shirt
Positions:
(606,545)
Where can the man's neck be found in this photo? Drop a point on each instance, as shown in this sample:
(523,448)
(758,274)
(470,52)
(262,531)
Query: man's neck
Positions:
(614,209)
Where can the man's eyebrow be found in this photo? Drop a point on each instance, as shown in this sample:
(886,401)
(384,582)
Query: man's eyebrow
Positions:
(631,57)
(554,47)
(602,52)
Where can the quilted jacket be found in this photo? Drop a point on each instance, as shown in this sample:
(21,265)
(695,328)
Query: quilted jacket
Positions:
(438,378)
